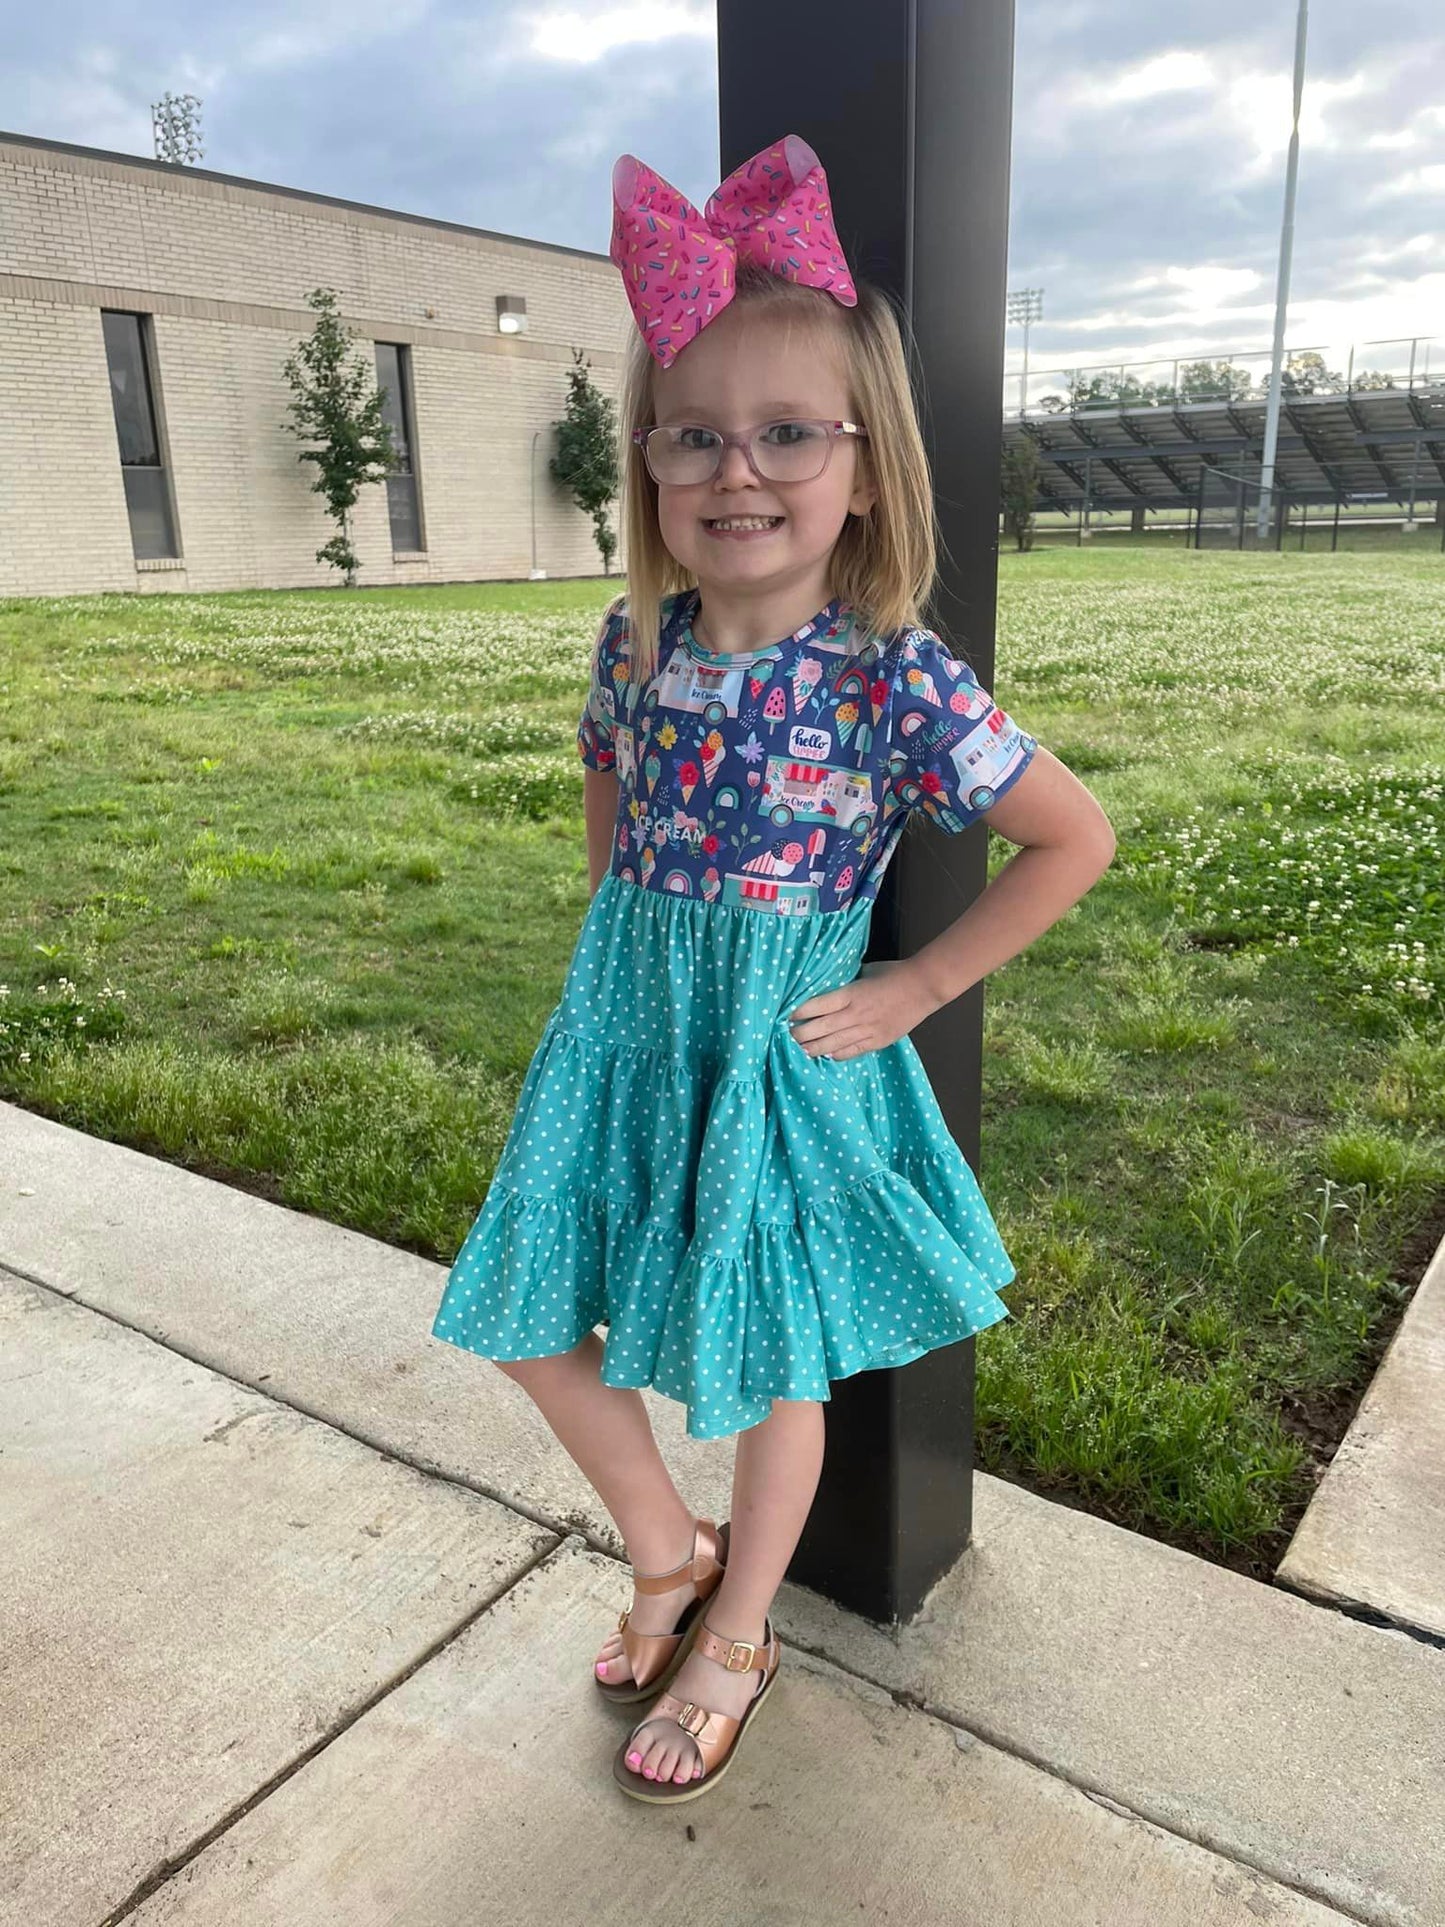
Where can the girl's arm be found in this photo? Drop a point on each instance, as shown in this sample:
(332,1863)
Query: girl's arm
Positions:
(1067,844)
(599,807)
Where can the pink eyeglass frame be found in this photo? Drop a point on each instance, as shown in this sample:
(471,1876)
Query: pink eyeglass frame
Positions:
(744,440)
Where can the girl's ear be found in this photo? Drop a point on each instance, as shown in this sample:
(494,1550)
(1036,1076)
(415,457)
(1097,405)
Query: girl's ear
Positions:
(865,493)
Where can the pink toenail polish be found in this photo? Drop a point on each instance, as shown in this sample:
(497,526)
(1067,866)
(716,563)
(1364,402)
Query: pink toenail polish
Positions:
(633,1758)
(649,1773)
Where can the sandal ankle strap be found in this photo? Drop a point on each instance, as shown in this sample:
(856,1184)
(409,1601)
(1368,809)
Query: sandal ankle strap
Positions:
(730,1652)
(699,1566)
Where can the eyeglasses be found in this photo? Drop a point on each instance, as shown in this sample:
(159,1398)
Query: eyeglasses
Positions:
(684,453)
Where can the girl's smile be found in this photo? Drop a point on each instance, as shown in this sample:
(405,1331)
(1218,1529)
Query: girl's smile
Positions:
(758,549)
(743,528)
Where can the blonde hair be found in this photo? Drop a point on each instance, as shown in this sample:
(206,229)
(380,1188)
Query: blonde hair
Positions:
(883,562)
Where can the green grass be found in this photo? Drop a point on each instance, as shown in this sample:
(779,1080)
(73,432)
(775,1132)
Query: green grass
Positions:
(289,883)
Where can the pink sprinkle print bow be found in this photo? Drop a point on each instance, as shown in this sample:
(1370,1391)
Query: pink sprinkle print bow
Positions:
(678,266)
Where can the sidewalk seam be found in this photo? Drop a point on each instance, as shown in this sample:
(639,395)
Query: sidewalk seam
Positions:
(569,1531)
(422,1467)
(1013,1749)
(162,1874)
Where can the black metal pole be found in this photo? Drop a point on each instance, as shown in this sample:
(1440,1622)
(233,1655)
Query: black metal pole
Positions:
(908,103)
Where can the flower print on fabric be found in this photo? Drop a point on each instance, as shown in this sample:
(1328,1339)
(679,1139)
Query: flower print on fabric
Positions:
(778,778)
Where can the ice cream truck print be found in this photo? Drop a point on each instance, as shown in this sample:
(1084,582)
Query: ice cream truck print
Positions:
(700,689)
(782,897)
(817,793)
(986,757)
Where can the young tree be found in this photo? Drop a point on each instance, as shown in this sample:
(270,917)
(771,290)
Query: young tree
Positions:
(337,408)
(1020,490)
(586,459)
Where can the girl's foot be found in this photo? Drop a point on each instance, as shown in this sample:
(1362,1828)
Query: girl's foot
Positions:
(652,1612)
(661,1749)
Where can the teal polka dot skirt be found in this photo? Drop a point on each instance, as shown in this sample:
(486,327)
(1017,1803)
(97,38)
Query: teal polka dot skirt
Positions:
(748,1221)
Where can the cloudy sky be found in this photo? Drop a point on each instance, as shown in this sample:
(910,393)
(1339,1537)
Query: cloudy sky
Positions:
(1148,163)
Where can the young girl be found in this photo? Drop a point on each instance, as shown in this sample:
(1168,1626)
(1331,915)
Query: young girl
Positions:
(726,1150)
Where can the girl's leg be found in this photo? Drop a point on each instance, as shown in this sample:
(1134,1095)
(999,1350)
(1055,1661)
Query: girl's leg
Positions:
(606,1432)
(776,1468)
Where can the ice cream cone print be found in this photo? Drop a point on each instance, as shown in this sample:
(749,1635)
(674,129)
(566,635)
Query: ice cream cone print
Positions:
(649,861)
(712,755)
(687,775)
(653,766)
(878,696)
(780,861)
(805,680)
(711,883)
(845,716)
(920,684)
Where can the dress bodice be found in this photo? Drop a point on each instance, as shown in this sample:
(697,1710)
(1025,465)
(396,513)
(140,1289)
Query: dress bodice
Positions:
(778,778)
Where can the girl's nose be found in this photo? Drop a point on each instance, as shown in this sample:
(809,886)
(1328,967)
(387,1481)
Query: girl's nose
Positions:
(734,469)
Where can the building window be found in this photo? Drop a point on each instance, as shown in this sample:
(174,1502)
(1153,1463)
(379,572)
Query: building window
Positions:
(128,352)
(393,376)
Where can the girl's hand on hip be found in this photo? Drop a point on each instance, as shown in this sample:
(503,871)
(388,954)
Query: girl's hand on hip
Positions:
(883,1003)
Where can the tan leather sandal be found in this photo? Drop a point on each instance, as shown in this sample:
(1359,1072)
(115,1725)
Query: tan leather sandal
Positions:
(718,1735)
(655,1657)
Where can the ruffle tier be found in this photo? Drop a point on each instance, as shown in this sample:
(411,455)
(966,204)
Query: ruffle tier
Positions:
(749,1221)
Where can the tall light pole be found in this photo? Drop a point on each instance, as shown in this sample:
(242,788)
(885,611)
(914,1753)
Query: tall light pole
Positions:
(1025,305)
(1281,297)
(175,122)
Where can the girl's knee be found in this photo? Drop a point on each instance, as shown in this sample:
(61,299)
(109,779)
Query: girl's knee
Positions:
(522,1371)
(532,1371)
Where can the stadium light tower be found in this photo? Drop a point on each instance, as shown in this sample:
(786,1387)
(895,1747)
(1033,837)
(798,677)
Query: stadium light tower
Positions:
(176,124)
(1025,305)
(1281,297)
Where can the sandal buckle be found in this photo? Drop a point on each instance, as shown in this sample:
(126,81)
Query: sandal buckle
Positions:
(748,1665)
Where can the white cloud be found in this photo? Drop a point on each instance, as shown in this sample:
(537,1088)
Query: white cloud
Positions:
(1426,246)
(1166,73)
(328,28)
(1212,286)
(587,36)
(1260,107)
(1420,180)
(1377,323)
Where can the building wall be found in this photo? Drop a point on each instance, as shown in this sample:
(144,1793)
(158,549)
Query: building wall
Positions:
(224,266)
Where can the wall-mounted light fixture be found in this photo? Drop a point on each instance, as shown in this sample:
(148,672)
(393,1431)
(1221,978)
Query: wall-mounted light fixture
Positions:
(511,314)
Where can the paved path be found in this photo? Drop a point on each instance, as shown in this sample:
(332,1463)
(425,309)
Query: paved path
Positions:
(1374,1533)
(298,1606)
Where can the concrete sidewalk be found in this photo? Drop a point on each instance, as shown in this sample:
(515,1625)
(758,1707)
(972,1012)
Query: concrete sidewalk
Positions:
(298,1608)
(1373,1536)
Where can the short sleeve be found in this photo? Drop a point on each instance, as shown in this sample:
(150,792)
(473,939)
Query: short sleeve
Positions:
(595,730)
(960,751)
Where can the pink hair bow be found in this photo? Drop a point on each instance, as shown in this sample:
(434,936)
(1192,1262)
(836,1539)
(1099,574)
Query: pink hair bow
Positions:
(678,265)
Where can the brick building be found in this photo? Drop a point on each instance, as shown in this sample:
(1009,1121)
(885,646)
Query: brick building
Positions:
(146,312)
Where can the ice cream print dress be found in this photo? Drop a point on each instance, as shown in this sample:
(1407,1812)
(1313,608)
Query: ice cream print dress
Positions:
(776,778)
(747,1220)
